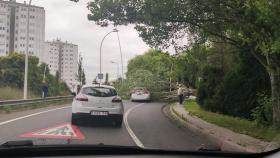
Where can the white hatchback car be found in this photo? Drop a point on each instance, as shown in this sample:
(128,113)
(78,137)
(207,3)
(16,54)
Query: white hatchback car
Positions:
(97,103)
(140,94)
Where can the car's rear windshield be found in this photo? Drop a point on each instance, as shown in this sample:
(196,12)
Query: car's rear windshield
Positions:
(99,91)
(139,89)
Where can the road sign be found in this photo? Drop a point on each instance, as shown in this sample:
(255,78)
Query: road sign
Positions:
(65,131)
(100,76)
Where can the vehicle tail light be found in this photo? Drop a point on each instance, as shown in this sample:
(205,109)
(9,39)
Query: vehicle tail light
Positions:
(81,98)
(117,100)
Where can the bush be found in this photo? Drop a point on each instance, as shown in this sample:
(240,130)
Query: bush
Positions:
(235,92)
(208,87)
(12,75)
(262,114)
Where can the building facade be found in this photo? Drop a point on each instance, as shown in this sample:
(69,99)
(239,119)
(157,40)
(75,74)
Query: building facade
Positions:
(62,58)
(13,28)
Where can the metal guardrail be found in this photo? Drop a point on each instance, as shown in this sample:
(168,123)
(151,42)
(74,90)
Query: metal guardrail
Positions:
(32,101)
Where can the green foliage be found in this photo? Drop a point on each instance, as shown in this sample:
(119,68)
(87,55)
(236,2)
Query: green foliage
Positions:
(157,62)
(139,78)
(12,75)
(241,86)
(208,87)
(250,25)
(262,114)
(233,92)
(151,70)
(189,65)
(81,76)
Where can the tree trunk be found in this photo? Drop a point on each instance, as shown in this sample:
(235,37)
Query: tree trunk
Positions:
(275,95)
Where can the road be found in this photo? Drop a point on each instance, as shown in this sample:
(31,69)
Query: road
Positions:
(145,125)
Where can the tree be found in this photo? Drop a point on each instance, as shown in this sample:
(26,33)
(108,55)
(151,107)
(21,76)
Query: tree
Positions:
(157,62)
(150,70)
(81,77)
(94,81)
(12,75)
(251,26)
(107,78)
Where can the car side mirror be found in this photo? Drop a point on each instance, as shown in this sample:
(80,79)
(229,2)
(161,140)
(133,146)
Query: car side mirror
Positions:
(73,93)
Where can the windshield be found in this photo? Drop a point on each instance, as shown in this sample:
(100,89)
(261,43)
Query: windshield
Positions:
(99,92)
(163,74)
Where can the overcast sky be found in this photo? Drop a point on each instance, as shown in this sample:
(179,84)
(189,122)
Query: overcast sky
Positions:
(68,21)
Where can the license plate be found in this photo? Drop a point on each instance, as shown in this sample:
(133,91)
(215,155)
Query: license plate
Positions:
(99,113)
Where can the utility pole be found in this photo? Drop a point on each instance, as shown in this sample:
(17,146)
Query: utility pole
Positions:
(25,87)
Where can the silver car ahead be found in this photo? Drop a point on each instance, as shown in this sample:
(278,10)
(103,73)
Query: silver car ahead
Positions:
(140,94)
(97,103)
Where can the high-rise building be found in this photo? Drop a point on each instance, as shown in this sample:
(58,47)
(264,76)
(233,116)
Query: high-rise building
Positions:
(5,15)
(13,28)
(62,58)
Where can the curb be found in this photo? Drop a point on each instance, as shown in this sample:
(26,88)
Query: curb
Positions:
(225,145)
(181,122)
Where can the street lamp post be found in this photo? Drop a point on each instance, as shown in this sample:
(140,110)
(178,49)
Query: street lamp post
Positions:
(100,57)
(120,52)
(118,74)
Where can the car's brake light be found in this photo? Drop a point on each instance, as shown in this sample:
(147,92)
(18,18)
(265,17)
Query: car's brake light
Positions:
(117,100)
(81,98)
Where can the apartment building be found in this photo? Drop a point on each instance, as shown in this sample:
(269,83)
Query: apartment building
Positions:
(13,28)
(62,57)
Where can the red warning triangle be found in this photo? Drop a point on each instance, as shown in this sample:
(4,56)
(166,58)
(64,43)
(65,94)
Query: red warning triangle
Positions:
(65,131)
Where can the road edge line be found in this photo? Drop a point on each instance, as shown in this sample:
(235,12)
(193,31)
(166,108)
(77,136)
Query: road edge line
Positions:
(35,114)
(129,130)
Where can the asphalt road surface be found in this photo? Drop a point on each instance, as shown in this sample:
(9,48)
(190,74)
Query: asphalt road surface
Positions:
(145,125)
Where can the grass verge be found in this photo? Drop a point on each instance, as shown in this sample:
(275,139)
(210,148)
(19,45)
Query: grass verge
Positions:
(10,93)
(235,124)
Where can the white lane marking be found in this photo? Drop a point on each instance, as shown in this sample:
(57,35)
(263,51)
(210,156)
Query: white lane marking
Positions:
(131,133)
(38,113)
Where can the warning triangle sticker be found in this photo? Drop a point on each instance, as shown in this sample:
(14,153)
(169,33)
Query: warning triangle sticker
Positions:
(65,131)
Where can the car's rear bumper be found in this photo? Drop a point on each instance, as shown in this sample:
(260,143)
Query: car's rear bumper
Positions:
(116,110)
(88,116)
(139,97)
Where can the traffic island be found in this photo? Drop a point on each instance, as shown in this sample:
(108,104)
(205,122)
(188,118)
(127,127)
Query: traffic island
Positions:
(225,138)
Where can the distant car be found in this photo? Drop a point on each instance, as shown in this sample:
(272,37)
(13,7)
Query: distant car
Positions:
(95,102)
(140,94)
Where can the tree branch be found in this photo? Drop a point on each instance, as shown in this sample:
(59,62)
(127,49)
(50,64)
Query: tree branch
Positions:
(234,42)
(262,61)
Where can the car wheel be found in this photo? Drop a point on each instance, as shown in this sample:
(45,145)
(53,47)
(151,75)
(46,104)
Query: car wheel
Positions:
(74,120)
(119,122)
